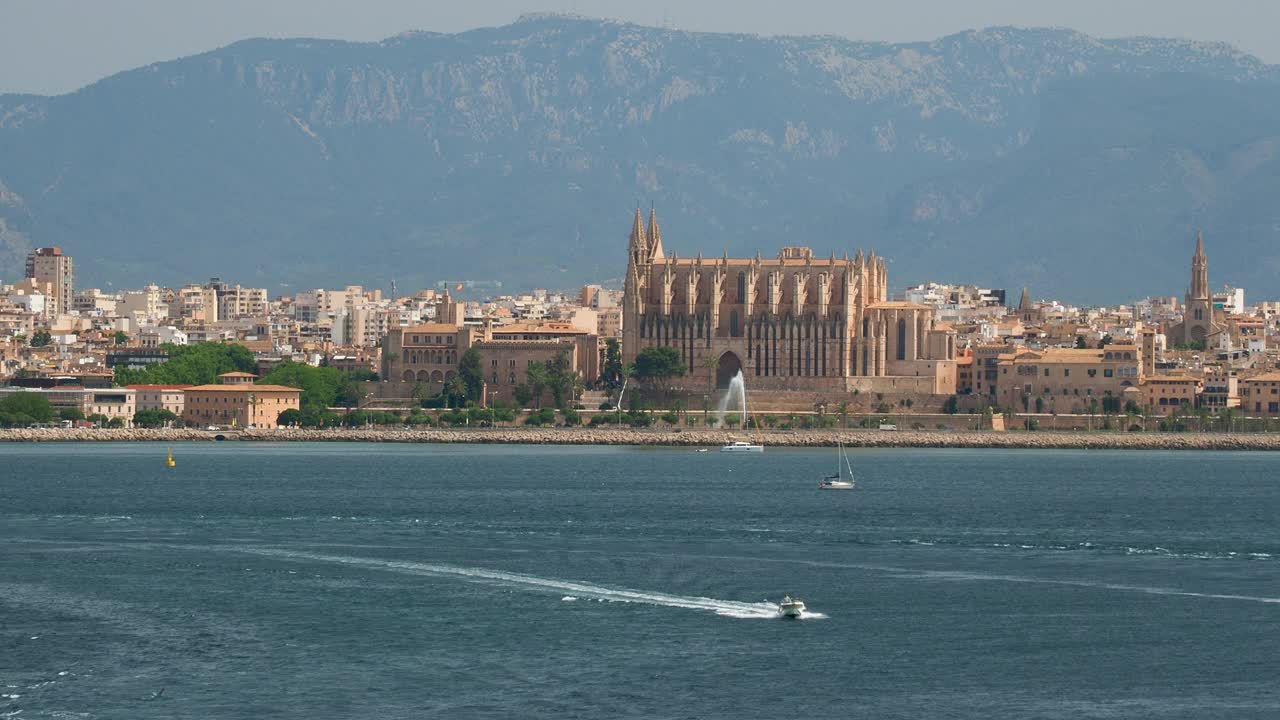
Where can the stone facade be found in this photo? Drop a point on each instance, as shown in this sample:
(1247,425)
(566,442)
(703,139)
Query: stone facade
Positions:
(238,405)
(160,397)
(1260,395)
(791,323)
(1163,394)
(430,354)
(1067,380)
(1200,320)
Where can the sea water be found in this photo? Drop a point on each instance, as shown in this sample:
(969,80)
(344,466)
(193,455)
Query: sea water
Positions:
(415,581)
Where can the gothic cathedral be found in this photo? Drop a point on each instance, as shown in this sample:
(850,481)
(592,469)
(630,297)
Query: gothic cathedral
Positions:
(791,323)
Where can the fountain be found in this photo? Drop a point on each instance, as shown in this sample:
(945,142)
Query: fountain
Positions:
(737,389)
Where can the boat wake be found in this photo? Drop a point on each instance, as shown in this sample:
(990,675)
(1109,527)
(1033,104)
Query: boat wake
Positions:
(569,588)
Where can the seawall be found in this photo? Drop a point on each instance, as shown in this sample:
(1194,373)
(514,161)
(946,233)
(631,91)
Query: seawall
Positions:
(690,438)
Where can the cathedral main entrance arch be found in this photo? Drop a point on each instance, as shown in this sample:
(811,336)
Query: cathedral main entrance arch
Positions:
(730,365)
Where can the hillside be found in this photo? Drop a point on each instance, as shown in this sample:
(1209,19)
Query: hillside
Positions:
(1005,156)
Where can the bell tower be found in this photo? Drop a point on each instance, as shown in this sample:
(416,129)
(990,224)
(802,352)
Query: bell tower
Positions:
(1197,321)
(635,284)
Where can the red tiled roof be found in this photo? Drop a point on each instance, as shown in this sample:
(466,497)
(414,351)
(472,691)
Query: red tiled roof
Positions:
(245,388)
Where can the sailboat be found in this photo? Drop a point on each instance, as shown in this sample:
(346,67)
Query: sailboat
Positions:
(838,481)
(169,461)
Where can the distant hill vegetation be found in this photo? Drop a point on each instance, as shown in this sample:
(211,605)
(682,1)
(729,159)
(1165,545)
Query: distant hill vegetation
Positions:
(1078,166)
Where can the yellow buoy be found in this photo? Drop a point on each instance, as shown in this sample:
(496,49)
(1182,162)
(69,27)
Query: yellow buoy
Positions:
(169,462)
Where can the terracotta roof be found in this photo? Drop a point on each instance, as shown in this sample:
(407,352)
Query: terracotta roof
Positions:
(246,388)
(158,387)
(897,305)
(1070,355)
(238,375)
(1265,377)
(254,345)
(433,328)
(552,328)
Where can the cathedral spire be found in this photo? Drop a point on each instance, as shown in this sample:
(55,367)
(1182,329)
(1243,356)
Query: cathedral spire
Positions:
(655,235)
(1025,303)
(1199,271)
(639,245)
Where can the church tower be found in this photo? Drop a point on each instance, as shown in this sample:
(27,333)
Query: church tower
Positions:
(1197,321)
(639,259)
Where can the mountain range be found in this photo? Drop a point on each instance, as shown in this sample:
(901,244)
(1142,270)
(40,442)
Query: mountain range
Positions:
(1077,166)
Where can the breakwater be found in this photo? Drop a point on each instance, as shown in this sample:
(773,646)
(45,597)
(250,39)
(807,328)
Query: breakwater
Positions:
(685,437)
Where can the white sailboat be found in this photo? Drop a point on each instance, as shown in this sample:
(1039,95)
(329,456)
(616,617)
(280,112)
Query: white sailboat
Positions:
(838,481)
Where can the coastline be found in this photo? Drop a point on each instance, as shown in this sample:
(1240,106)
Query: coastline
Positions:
(684,438)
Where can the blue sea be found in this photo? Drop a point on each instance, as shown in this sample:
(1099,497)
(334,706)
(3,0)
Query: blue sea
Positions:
(419,581)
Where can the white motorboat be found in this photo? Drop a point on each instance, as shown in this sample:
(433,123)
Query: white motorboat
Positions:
(791,607)
(839,481)
(742,446)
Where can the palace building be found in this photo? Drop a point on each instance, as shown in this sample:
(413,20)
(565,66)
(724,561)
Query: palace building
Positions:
(795,322)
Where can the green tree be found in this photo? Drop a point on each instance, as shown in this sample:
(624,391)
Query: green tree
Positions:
(843,411)
(951,406)
(472,374)
(1080,343)
(456,389)
(421,392)
(28,405)
(611,373)
(523,395)
(562,379)
(538,378)
(320,385)
(72,414)
(115,423)
(153,418)
(41,338)
(198,364)
(120,337)
(658,366)
(290,417)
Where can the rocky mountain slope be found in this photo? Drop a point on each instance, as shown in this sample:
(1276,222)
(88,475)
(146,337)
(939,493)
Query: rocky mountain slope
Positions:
(1079,166)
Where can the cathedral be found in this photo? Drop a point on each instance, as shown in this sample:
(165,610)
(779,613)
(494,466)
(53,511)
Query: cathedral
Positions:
(1200,320)
(794,322)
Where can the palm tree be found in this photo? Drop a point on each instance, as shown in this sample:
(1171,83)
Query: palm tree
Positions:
(538,378)
(843,411)
(456,388)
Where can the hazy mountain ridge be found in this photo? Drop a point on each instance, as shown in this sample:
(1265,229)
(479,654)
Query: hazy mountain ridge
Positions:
(427,156)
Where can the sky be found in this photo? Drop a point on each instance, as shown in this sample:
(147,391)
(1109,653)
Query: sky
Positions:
(56,46)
